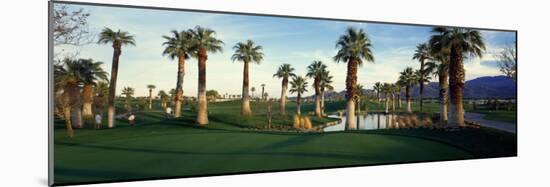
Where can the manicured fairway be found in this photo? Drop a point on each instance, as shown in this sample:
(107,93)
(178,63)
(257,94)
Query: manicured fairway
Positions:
(168,150)
(157,147)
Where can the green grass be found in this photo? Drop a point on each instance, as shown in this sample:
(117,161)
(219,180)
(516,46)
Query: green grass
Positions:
(157,147)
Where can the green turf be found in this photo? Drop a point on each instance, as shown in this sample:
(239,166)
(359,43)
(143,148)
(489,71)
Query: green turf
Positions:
(158,147)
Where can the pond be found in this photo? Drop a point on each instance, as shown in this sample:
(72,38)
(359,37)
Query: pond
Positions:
(373,121)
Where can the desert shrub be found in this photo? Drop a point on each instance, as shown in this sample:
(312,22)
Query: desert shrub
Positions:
(296,122)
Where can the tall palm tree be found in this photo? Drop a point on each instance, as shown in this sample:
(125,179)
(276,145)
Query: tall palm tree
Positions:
(422,54)
(247,52)
(91,73)
(203,41)
(151,87)
(408,78)
(353,47)
(441,70)
(315,71)
(326,81)
(117,39)
(378,88)
(178,46)
(298,85)
(128,93)
(263,88)
(460,42)
(284,72)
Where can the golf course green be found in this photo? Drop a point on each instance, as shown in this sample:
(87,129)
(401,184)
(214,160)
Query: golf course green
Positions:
(157,147)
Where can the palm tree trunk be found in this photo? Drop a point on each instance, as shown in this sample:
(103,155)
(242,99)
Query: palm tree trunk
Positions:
(87,102)
(65,99)
(387,103)
(112,87)
(456,84)
(443,87)
(408,98)
(317,98)
(179,85)
(399,100)
(298,103)
(358,104)
(73,92)
(393,102)
(283,96)
(245,109)
(150,99)
(421,82)
(322,102)
(202,115)
(351,83)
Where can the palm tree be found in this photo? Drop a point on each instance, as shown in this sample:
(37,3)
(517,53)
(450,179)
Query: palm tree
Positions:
(102,90)
(408,78)
(128,93)
(67,78)
(353,47)
(284,72)
(422,54)
(298,85)
(91,73)
(247,52)
(172,93)
(151,87)
(178,46)
(253,89)
(164,98)
(203,41)
(262,96)
(387,89)
(423,77)
(358,95)
(399,88)
(440,67)
(315,71)
(395,89)
(117,39)
(326,81)
(378,88)
(460,42)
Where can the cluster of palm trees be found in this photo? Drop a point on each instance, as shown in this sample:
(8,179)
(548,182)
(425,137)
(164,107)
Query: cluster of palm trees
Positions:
(443,57)
(74,84)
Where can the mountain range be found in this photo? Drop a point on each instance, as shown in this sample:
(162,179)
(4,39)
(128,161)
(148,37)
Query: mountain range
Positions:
(482,87)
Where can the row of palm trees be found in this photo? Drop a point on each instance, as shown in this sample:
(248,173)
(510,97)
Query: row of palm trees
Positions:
(442,55)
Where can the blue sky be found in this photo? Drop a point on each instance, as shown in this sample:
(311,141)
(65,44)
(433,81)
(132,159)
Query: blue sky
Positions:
(285,40)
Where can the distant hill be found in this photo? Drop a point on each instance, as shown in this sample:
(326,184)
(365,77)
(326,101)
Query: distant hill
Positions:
(482,87)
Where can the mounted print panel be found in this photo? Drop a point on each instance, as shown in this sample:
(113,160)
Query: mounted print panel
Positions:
(140,93)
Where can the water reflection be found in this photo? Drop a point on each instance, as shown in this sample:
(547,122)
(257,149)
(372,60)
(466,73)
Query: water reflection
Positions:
(379,121)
